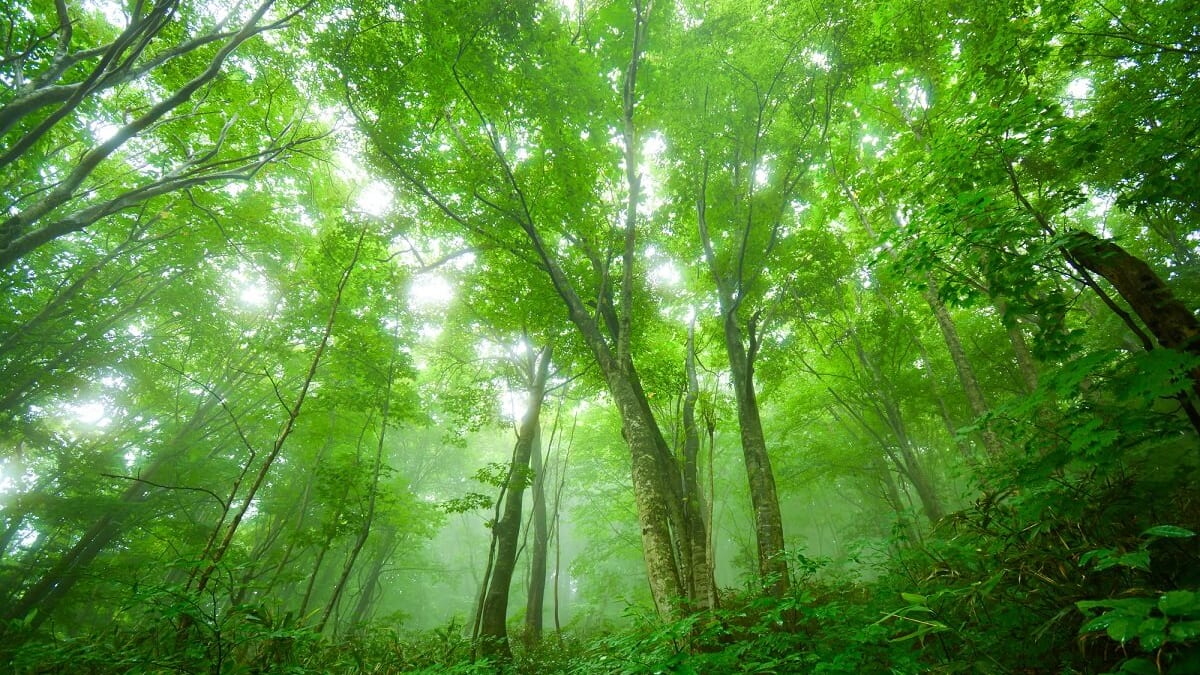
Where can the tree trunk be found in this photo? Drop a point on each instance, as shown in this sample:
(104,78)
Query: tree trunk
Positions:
(1025,362)
(370,587)
(907,462)
(768,522)
(699,578)
(535,599)
(1171,323)
(958,355)
(962,365)
(653,497)
(493,632)
(611,352)
(891,493)
(369,517)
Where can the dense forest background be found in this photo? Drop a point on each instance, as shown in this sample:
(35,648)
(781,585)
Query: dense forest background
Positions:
(645,336)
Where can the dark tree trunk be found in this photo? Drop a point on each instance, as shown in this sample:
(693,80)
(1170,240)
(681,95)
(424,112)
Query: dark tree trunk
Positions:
(768,521)
(1171,323)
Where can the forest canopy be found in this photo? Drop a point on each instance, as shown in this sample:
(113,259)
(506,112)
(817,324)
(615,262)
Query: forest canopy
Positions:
(600,337)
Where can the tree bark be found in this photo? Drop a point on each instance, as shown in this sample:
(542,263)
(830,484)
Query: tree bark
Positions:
(768,521)
(1171,323)
(958,355)
(1025,362)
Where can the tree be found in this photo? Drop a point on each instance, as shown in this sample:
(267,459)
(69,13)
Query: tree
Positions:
(510,212)
(70,108)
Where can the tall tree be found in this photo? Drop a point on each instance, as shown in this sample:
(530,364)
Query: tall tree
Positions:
(531,186)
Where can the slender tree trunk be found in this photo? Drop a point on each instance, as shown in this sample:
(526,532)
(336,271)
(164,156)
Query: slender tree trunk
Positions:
(962,364)
(699,579)
(556,524)
(535,599)
(710,516)
(908,461)
(934,388)
(493,631)
(50,589)
(364,532)
(370,587)
(316,570)
(369,518)
(289,424)
(958,354)
(302,509)
(1025,362)
(892,494)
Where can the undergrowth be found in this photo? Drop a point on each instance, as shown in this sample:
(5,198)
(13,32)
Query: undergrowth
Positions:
(1055,570)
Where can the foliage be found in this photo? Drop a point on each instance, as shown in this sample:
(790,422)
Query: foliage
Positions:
(950,248)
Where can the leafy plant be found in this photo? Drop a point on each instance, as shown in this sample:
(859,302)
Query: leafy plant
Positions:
(1166,624)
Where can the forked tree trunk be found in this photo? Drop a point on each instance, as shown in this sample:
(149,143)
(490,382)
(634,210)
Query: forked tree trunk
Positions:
(768,521)
(493,632)
(609,345)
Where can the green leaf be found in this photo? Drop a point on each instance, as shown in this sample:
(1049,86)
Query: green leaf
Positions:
(1152,632)
(1169,531)
(1180,603)
(1183,631)
(1139,667)
(1123,627)
(914,598)
(1135,606)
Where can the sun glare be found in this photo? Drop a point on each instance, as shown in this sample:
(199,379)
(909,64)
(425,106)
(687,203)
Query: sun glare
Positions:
(375,199)
(91,413)
(430,291)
